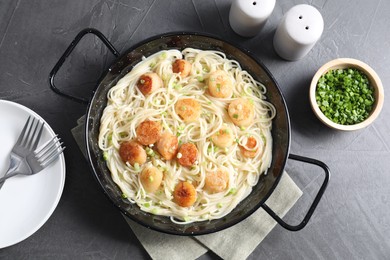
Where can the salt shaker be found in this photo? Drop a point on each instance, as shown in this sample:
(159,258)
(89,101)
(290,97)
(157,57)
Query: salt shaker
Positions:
(247,17)
(299,30)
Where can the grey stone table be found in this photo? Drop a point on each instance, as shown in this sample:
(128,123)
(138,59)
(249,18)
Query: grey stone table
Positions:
(353,218)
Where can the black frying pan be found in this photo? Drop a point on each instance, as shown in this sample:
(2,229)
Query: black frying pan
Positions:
(280,131)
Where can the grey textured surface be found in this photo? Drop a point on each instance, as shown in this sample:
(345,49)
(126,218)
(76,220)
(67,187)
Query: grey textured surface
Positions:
(353,219)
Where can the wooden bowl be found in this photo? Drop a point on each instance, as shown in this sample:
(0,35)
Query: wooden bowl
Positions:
(375,82)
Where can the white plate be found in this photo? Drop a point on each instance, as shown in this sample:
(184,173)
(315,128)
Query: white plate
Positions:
(26,202)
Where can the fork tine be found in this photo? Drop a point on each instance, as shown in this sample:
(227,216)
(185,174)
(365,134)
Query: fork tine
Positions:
(54,155)
(34,137)
(38,136)
(49,150)
(27,134)
(21,136)
(44,148)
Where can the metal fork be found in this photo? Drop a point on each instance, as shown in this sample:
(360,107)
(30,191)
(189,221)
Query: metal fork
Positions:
(40,158)
(26,143)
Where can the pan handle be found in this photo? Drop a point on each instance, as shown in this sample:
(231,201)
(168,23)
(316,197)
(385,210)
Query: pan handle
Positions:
(68,51)
(316,199)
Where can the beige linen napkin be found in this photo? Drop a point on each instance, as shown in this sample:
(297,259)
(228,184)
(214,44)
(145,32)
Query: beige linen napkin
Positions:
(236,242)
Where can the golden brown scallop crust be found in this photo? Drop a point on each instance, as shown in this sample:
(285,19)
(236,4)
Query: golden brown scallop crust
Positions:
(188,154)
(149,82)
(250,143)
(188,109)
(132,152)
(216,181)
(167,146)
(181,66)
(148,132)
(184,194)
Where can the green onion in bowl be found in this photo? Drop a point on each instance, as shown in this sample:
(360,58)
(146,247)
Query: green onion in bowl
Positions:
(346,94)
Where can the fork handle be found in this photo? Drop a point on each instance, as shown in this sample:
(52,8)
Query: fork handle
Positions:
(15,168)
(9,174)
(3,179)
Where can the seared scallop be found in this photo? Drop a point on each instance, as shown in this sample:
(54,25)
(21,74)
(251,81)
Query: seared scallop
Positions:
(188,109)
(216,181)
(241,111)
(223,137)
(182,67)
(187,155)
(167,145)
(220,85)
(132,152)
(151,178)
(184,194)
(148,132)
(250,148)
(149,82)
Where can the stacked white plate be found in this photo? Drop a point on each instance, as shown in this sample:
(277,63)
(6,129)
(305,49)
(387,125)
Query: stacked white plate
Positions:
(26,202)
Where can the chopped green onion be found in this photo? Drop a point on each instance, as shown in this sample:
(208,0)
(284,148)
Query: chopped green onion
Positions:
(136,166)
(149,151)
(163,55)
(181,127)
(157,102)
(177,86)
(345,96)
(124,196)
(146,204)
(232,191)
(219,205)
(105,155)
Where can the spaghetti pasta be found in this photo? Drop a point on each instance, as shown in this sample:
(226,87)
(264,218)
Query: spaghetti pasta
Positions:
(231,134)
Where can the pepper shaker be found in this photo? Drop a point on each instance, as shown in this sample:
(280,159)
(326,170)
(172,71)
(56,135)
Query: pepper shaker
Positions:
(300,28)
(247,18)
